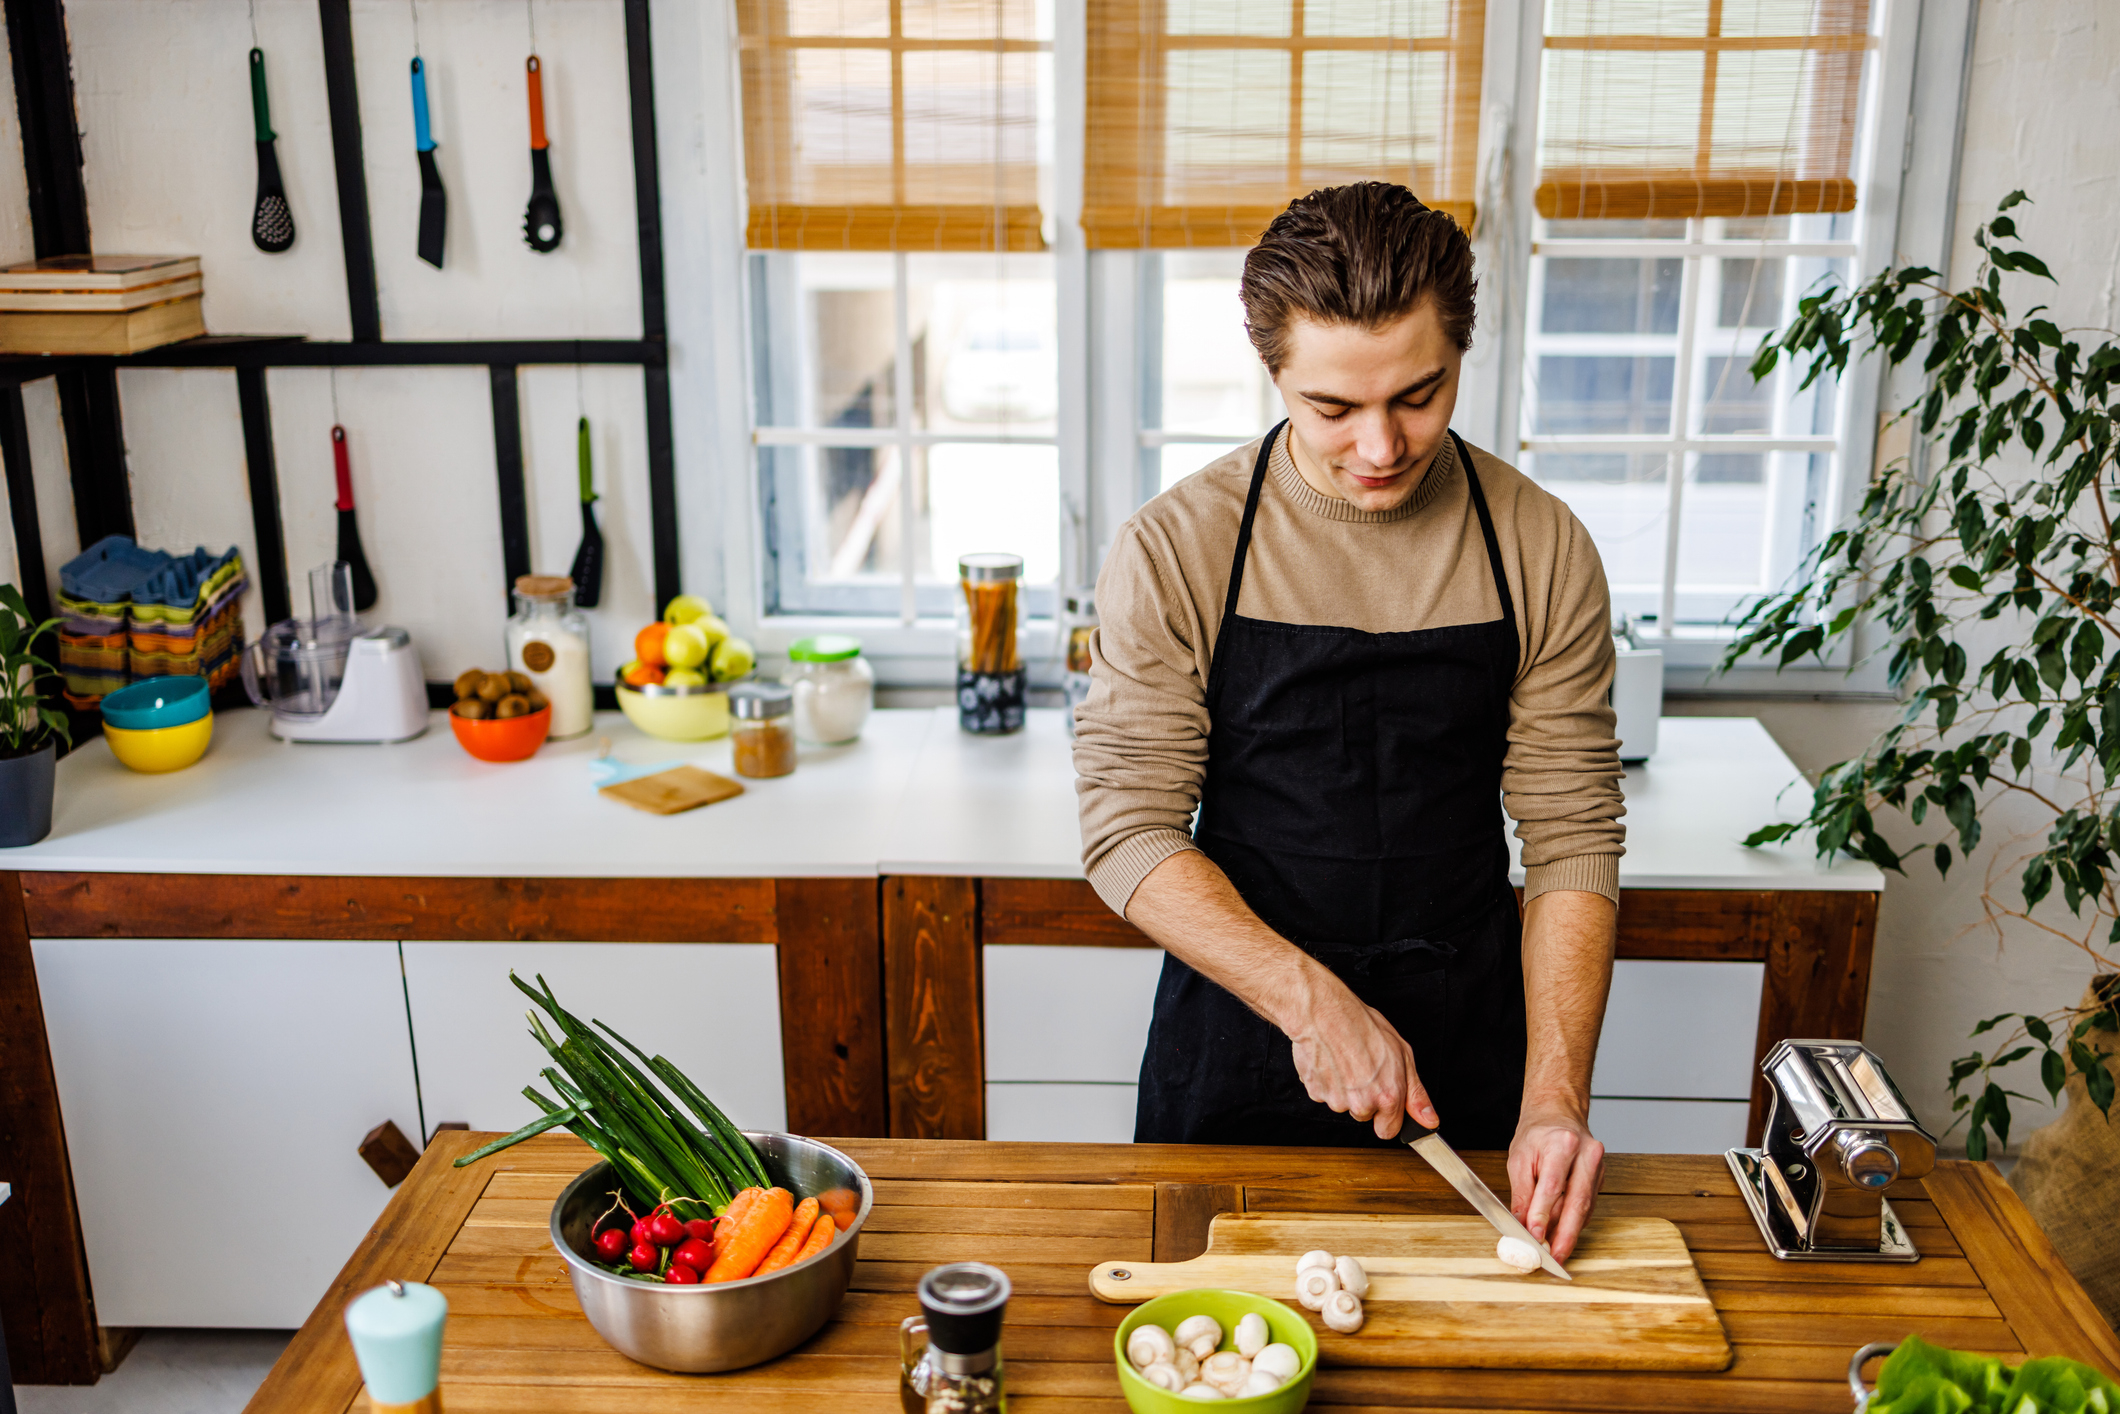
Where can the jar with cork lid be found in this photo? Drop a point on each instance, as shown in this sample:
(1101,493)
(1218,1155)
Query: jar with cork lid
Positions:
(548,642)
(763,731)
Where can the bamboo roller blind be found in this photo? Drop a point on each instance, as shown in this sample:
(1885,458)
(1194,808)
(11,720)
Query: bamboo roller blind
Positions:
(1675,108)
(891,124)
(1207,117)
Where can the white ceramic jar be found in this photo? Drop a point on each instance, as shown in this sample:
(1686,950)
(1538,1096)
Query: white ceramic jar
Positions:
(548,642)
(835,689)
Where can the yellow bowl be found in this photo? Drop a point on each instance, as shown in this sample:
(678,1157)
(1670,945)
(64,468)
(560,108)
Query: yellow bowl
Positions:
(691,716)
(157,749)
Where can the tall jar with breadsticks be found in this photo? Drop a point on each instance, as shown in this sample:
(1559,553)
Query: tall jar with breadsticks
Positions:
(992,681)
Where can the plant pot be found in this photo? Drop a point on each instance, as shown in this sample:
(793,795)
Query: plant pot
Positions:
(26,796)
(2066,1173)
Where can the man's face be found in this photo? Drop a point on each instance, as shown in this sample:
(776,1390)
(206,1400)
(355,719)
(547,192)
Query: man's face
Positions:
(1369,407)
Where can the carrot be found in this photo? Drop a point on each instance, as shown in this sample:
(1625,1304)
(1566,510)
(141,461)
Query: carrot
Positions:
(821,1234)
(754,1235)
(790,1241)
(731,1216)
(844,1204)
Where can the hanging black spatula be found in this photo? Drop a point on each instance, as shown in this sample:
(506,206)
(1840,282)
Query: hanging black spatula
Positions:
(434,202)
(272,222)
(349,528)
(541,226)
(588,572)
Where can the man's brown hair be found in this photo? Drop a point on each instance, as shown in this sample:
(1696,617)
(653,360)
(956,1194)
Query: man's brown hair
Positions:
(1364,254)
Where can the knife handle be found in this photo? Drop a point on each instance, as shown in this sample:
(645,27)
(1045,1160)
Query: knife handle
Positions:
(1412,1129)
(422,135)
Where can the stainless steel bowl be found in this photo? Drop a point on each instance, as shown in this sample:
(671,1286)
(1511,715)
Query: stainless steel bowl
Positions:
(700,1329)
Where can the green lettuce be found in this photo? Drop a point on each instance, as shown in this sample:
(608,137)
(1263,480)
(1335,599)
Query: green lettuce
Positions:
(1920,1378)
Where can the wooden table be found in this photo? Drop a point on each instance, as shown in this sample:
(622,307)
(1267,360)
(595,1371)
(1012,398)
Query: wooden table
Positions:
(1989,1281)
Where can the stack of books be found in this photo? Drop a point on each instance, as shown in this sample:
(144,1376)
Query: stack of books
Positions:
(99,304)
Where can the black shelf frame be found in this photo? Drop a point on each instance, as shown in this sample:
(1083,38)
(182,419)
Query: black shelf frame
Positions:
(88,386)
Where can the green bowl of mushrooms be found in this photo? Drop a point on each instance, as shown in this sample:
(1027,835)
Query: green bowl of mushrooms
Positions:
(1153,1343)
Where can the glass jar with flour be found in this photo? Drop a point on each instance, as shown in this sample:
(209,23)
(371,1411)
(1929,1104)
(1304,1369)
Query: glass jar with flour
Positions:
(834,687)
(548,642)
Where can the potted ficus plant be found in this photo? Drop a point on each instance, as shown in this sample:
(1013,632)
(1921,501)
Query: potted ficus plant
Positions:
(1996,574)
(31,728)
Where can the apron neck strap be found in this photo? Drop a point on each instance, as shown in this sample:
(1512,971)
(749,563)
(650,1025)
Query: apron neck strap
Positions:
(1494,549)
(1251,513)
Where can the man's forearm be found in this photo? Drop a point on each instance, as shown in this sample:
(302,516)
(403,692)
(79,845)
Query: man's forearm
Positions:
(1569,937)
(1189,907)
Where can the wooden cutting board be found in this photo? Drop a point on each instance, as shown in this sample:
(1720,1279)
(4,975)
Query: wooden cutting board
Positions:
(1438,1296)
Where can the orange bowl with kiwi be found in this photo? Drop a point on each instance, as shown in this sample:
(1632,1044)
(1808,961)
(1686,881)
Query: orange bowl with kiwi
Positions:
(499,716)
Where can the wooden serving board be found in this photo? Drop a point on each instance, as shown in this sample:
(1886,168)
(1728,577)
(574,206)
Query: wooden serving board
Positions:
(1439,1297)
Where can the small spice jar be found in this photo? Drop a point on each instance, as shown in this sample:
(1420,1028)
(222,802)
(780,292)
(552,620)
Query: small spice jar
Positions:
(548,642)
(1078,621)
(763,732)
(992,682)
(960,1370)
(834,688)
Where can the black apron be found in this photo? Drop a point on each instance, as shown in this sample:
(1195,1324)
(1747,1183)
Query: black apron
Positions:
(1353,797)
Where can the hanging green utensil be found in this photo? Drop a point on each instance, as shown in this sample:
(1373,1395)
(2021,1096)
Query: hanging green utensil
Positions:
(588,573)
(272,221)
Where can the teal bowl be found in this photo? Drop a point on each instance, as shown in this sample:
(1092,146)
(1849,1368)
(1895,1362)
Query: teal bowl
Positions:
(153,703)
(1228,1307)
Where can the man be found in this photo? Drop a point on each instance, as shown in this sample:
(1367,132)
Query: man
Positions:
(1350,645)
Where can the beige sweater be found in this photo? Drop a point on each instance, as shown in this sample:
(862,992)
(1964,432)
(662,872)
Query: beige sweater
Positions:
(1141,737)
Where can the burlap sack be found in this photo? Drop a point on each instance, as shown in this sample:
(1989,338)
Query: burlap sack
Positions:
(2069,1176)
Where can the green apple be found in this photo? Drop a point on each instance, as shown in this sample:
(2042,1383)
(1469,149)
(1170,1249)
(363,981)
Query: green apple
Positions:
(685,647)
(684,677)
(714,628)
(733,659)
(685,609)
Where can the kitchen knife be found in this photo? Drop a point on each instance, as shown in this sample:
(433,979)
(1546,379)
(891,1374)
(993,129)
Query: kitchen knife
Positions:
(1444,1159)
(434,202)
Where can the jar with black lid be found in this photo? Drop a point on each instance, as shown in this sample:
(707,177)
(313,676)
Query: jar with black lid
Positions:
(960,1371)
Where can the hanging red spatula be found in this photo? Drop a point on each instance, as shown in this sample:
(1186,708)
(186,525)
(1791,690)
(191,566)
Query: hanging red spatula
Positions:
(349,528)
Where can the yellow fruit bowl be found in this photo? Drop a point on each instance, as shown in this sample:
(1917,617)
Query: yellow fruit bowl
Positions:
(153,750)
(675,716)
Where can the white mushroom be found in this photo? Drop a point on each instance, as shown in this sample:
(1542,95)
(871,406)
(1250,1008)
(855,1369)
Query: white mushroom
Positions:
(1517,1254)
(1252,1335)
(1344,1312)
(1149,1344)
(1314,1285)
(1259,1383)
(1226,1371)
(1278,1360)
(1163,1375)
(1188,1365)
(1201,1392)
(1352,1276)
(1200,1334)
(1318,1258)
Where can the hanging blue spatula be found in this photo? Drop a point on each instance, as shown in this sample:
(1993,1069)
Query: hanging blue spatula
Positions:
(434,202)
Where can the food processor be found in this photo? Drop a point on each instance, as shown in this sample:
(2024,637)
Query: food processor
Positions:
(328,679)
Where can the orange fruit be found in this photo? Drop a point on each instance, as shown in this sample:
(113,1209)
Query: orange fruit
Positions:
(648,644)
(642,674)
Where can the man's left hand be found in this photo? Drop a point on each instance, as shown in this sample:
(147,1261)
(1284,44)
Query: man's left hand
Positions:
(1555,1170)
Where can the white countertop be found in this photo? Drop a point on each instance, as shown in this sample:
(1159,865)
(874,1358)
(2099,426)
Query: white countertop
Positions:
(913,796)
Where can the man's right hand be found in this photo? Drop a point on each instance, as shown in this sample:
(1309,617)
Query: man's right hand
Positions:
(1353,1060)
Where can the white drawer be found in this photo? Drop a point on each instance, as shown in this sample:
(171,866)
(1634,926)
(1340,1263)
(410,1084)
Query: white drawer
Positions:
(1682,1030)
(1073,1114)
(1069,1013)
(1669,1126)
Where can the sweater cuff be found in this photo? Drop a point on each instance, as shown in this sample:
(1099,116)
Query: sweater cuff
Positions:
(1588,873)
(1127,863)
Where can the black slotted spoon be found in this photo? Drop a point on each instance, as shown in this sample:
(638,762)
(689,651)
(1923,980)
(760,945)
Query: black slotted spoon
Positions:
(541,223)
(272,221)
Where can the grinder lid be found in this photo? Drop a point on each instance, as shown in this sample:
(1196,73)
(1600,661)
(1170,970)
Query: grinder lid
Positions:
(964,1303)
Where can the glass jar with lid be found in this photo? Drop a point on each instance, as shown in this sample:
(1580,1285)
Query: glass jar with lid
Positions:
(763,732)
(548,642)
(835,688)
(1078,623)
(992,682)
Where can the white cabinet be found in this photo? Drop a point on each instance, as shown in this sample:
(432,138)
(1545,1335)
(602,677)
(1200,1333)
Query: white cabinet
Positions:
(712,1008)
(1674,1063)
(214,1095)
(1065,1028)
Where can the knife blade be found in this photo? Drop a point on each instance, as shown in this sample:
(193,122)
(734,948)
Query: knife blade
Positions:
(1445,1161)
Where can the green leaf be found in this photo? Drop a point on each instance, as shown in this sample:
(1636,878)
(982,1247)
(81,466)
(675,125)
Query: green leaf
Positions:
(1991,1023)
(1966,578)
(2053,1074)
(2038,1030)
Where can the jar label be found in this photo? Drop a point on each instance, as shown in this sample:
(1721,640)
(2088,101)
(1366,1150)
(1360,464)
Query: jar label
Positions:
(537,656)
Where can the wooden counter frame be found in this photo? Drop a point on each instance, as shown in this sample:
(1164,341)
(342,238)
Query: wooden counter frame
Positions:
(882,1012)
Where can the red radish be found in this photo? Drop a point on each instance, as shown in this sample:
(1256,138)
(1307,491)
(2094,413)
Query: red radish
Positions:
(681,1275)
(611,1244)
(644,1258)
(694,1253)
(701,1228)
(664,1230)
(640,1232)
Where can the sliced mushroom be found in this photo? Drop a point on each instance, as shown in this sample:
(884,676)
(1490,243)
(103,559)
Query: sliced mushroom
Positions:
(1352,1276)
(1315,1285)
(1343,1312)
(1226,1371)
(1149,1344)
(1252,1335)
(1278,1360)
(1199,1334)
(1163,1375)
